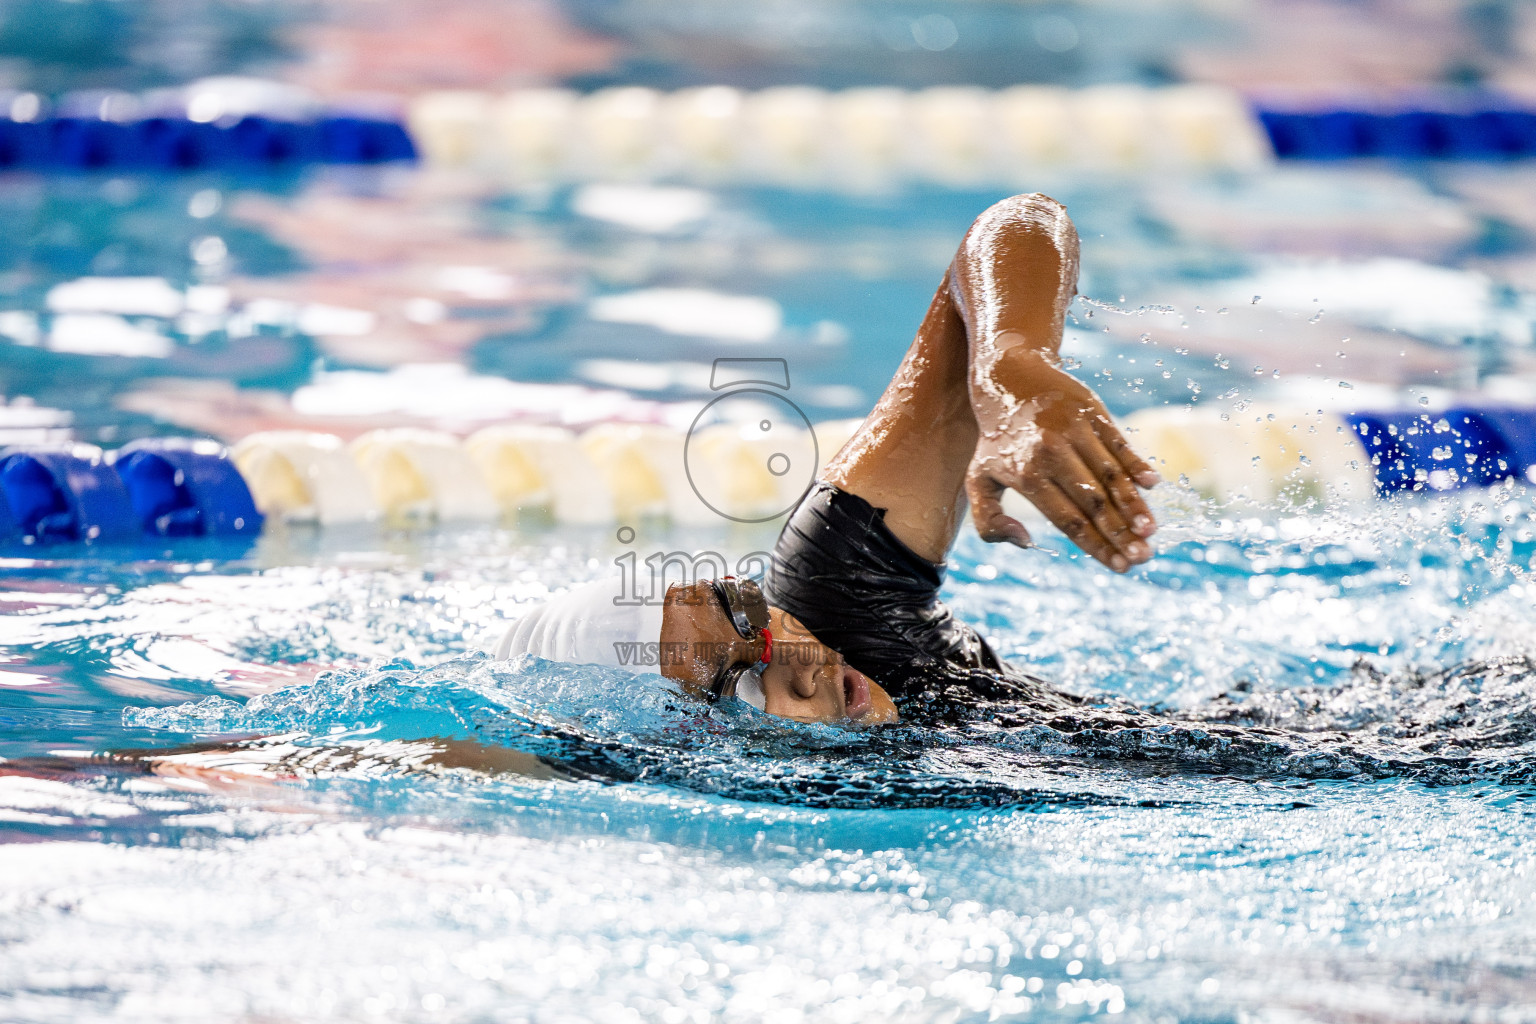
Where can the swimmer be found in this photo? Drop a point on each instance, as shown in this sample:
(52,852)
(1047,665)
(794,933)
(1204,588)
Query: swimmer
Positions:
(849,614)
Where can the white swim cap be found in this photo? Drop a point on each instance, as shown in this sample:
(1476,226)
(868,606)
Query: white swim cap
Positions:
(586,627)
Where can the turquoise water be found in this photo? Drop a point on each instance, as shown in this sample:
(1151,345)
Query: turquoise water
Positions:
(356,816)
(1367,850)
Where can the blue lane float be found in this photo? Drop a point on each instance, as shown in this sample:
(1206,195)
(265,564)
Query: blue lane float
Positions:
(1500,133)
(159,488)
(63,493)
(180,487)
(1446,451)
(1516,428)
(179,144)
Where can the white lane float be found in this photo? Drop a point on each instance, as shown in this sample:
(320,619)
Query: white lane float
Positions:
(302,476)
(1261,454)
(625,472)
(449,127)
(784,134)
(423,475)
(1208,126)
(528,133)
(539,468)
(951,130)
(702,128)
(642,465)
(618,133)
(1032,128)
(751,473)
(1114,125)
(868,133)
(855,138)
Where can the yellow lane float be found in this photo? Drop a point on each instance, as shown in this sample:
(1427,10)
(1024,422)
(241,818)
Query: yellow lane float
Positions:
(420,475)
(537,468)
(300,476)
(1262,453)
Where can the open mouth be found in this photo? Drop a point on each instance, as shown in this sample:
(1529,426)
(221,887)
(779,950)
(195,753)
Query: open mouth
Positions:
(856,701)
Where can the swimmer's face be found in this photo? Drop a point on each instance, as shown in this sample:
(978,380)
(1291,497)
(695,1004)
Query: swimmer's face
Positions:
(805,680)
(809,682)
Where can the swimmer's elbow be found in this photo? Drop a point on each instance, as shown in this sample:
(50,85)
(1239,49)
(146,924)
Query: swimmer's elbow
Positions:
(1024,241)
(1034,227)
(1032,213)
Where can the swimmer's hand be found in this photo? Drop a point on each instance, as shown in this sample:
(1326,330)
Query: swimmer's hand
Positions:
(1046,435)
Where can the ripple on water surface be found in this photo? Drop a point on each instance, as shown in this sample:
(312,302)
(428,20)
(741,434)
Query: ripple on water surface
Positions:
(1324,813)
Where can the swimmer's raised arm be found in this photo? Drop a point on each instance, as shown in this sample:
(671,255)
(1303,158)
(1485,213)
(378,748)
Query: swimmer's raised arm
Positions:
(981,402)
(911,454)
(1041,431)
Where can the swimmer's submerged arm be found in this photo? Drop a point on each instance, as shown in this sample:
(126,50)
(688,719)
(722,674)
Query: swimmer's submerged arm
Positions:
(260,761)
(980,405)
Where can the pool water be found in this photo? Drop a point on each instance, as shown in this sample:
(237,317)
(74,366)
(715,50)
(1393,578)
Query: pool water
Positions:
(666,862)
(356,815)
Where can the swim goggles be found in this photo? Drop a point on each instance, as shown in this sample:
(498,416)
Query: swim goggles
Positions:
(747,609)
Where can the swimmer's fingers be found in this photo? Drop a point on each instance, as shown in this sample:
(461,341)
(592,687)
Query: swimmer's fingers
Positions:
(1138,468)
(992,523)
(1115,479)
(1053,502)
(1073,478)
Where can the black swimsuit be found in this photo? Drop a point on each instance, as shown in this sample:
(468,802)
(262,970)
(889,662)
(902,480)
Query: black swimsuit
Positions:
(858,589)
